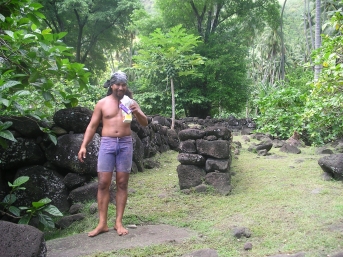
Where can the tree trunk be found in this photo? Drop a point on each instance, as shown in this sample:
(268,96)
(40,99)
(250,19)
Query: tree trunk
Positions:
(317,67)
(282,64)
(173,102)
(307,53)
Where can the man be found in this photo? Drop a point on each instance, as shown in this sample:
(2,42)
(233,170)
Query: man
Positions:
(115,151)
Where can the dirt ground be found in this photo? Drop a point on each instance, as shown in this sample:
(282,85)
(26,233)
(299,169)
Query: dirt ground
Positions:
(81,244)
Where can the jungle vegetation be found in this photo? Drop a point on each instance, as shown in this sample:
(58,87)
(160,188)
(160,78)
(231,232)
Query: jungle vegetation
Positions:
(278,62)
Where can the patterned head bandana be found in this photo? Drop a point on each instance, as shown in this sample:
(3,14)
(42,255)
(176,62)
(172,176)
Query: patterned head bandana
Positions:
(117,77)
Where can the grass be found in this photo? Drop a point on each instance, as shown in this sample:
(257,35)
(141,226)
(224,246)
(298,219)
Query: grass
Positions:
(283,201)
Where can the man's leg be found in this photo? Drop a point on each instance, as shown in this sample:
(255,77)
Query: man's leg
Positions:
(122,181)
(103,198)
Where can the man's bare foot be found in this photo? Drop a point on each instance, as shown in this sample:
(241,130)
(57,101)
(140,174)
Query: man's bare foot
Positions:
(98,230)
(121,230)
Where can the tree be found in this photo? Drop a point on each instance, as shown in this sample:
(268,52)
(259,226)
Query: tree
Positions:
(93,27)
(317,44)
(227,28)
(32,63)
(323,113)
(170,53)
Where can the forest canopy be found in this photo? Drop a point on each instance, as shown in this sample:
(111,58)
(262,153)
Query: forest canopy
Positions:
(278,62)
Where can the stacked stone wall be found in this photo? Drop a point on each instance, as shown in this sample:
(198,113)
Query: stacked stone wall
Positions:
(205,159)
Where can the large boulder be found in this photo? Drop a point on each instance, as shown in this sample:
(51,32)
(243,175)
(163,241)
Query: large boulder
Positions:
(173,139)
(21,240)
(219,132)
(191,159)
(190,176)
(191,134)
(21,153)
(332,164)
(74,119)
(264,145)
(25,126)
(138,152)
(219,149)
(89,192)
(219,181)
(43,183)
(288,148)
(161,120)
(222,165)
(64,154)
(188,146)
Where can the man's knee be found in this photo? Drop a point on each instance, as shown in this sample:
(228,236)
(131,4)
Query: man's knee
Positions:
(104,182)
(122,181)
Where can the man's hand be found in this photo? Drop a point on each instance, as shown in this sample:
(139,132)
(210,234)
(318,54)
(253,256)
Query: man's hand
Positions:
(82,154)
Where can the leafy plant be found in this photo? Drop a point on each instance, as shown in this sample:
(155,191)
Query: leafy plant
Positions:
(323,113)
(5,134)
(41,209)
(33,61)
(171,54)
(280,112)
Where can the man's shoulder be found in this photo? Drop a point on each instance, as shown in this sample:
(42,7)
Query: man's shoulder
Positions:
(103,100)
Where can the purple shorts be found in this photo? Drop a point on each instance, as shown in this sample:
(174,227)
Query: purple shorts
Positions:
(115,154)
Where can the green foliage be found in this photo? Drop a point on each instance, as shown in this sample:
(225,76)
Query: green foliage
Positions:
(324,109)
(42,209)
(225,73)
(95,28)
(168,55)
(33,62)
(154,102)
(281,111)
(5,134)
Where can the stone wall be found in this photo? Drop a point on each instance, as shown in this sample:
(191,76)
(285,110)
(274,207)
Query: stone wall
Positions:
(55,168)
(55,171)
(205,159)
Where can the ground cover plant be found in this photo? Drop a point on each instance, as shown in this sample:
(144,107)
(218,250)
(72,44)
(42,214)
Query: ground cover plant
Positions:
(281,198)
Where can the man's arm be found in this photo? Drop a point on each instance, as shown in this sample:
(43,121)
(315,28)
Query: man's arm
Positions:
(90,131)
(139,114)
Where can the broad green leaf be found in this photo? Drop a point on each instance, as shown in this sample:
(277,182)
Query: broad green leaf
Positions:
(48,104)
(9,84)
(46,31)
(2,18)
(5,125)
(7,135)
(22,93)
(10,33)
(24,21)
(62,35)
(53,210)
(45,200)
(14,210)
(37,205)
(34,76)
(21,180)
(9,199)
(47,96)
(25,219)
(34,27)
(46,220)
(29,35)
(34,19)
(39,14)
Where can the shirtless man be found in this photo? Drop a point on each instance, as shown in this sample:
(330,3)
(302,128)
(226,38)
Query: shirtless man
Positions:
(115,151)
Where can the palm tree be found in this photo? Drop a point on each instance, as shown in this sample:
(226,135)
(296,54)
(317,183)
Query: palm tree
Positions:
(317,40)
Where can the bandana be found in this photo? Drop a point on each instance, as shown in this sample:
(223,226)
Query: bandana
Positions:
(117,77)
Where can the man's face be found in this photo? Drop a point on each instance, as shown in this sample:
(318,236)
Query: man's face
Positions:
(118,90)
